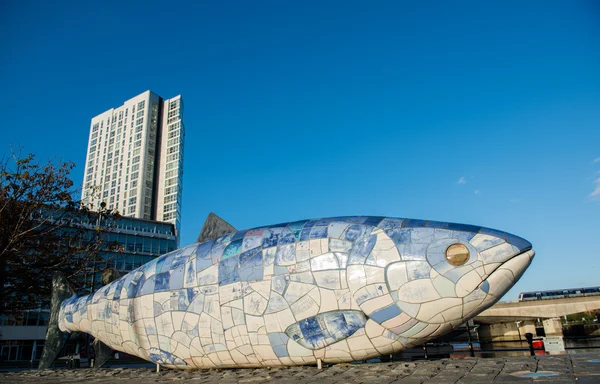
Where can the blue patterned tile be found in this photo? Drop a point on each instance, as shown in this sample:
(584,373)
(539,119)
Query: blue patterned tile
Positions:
(251,267)
(310,224)
(162,281)
(250,253)
(305,234)
(413,251)
(202,264)
(399,235)
(190,274)
(216,252)
(182,300)
(238,235)
(278,341)
(271,237)
(148,266)
(286,254)
(412,223)
(276,303)
(229,271)
(179,259)
(233,249)
(286,237)
(418,270)
(136,284)
(203,249)
(159,262)
(190,331)
(384,314)
(225,239)
(390,223)
(318,233)
(167,261)
(373,220)
(356,231)
(280,283)
(296,228)
(434,258)
(118,288)
(364,245)
(148,286)
(485,286)
(176,280)
(326,328)
(461,235)
(437,224)
(161,357)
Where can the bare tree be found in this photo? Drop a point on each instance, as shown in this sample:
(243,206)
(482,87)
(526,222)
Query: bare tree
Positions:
(43,229)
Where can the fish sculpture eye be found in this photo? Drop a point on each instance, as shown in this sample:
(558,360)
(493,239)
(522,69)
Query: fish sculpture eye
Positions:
(457,254)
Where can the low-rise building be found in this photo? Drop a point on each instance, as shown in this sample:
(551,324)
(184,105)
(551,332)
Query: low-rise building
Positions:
(137,242)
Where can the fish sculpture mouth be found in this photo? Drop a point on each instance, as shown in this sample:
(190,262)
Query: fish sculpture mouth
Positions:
(501,279)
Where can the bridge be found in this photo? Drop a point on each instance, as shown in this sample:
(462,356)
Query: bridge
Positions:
(537,309)
(511,320)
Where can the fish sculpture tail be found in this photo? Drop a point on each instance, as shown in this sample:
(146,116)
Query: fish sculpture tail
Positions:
(55,338)
(62,293)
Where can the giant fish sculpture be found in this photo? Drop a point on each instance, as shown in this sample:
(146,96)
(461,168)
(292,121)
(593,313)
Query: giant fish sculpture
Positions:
(335,290)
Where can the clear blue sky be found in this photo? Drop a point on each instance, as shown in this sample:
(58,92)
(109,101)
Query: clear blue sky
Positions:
(485,113)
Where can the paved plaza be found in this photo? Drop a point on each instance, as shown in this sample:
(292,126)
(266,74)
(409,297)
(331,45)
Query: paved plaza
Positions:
(577,368)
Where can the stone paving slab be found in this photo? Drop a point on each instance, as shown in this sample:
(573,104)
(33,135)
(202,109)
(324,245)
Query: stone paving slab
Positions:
(570,369)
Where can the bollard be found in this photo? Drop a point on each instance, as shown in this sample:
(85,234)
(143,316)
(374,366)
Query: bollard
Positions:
(471,352)
(529,338)
(319,364)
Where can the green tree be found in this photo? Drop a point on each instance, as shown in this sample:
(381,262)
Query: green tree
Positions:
(43,229)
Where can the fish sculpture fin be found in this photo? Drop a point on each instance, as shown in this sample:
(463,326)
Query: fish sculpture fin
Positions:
(55,338)
(213,228)
(325,328)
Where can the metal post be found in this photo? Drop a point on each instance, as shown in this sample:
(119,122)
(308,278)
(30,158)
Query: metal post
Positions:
(471,352)
(33,351)
(529,337)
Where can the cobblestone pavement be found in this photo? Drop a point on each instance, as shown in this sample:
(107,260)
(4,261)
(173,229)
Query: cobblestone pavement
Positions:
(569,369)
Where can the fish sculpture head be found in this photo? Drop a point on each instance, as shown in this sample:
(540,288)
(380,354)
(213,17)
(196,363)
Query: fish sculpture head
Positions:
(437,275)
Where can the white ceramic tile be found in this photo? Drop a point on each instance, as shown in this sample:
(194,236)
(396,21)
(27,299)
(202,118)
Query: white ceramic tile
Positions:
(396,275)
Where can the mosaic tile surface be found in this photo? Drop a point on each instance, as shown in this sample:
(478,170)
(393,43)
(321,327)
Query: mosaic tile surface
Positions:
(338,289)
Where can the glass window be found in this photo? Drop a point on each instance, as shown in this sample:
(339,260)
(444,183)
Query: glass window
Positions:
(147,245)
(44,317)
(32,318)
